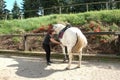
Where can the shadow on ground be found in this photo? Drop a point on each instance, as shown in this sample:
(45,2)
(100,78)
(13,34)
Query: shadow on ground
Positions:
(33,68)
(36,67)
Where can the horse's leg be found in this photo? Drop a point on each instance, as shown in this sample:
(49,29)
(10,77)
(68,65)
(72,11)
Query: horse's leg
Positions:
(70,61)
(65,54)
(70,58)
(80,58)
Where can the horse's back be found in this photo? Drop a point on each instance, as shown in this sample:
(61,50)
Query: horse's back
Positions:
(69,37)
(71,34)
(77,31)
(80,35)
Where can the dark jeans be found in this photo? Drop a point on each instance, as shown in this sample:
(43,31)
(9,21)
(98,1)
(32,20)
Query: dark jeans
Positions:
(48,51)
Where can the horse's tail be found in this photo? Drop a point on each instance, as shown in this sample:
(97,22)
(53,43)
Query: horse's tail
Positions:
(81,42)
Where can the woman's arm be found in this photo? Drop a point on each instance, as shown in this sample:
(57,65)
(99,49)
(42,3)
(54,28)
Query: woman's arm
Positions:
(54,41)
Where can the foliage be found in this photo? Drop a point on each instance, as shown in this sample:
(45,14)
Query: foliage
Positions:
(37,8)
(2,8)
(89,21)
(16,11)
(71,6)
(31,8)
(16,39)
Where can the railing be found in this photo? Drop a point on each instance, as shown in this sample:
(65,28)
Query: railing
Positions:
(25,36)
(102,33)
(86,6)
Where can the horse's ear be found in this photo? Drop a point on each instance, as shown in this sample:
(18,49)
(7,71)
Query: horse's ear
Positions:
(54,26)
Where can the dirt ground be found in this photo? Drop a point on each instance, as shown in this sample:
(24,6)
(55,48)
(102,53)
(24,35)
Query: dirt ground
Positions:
(35,68)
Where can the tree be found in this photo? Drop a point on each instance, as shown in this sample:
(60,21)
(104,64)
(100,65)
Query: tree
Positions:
(2,8)
(16,11)
(52,6)
(31,8)
(6,14)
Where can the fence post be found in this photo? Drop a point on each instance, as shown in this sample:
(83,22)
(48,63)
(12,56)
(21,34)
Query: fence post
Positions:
(87,7)
(60,10)
(107,6)
(119,44)
(25,43)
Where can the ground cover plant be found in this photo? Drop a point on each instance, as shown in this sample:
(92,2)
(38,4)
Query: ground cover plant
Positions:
(93,21)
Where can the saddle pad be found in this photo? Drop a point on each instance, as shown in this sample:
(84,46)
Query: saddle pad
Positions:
(62,31)
(60,35)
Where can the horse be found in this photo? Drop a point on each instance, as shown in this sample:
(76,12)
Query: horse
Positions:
(73,39)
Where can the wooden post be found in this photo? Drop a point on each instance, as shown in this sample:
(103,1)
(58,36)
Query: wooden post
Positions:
(119,44)
(107,6)
(25,43)
(60,10)
(87,7)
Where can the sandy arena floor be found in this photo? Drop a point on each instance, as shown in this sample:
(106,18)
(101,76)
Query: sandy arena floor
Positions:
(34,68)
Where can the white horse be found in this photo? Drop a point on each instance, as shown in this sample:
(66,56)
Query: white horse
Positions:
(73,39)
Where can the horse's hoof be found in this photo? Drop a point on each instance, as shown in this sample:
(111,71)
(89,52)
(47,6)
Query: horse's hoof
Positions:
(65,61)
(78,67)
(67,68)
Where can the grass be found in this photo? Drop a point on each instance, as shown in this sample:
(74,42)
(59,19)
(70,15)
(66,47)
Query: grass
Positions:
(27,25)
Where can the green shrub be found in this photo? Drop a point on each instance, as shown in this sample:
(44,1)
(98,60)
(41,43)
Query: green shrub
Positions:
(16,39)
(27,25)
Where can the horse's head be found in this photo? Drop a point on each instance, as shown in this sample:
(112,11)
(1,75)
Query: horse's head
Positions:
(58,27)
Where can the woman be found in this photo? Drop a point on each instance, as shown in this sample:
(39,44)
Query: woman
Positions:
(46,44)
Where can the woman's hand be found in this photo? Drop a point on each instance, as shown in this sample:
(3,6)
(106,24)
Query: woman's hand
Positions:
(54,41)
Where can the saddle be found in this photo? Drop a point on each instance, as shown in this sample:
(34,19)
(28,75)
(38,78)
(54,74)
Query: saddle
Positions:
(60,35)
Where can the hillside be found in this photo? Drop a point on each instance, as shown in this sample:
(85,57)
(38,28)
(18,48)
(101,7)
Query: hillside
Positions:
(94,21)
(107,19)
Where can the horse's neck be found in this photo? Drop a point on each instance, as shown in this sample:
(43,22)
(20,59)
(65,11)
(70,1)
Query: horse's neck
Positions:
(60,28)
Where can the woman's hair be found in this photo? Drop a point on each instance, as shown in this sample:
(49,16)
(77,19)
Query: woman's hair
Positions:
(50,31)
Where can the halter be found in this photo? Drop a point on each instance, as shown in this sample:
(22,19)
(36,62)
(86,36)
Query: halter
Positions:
(60,35)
